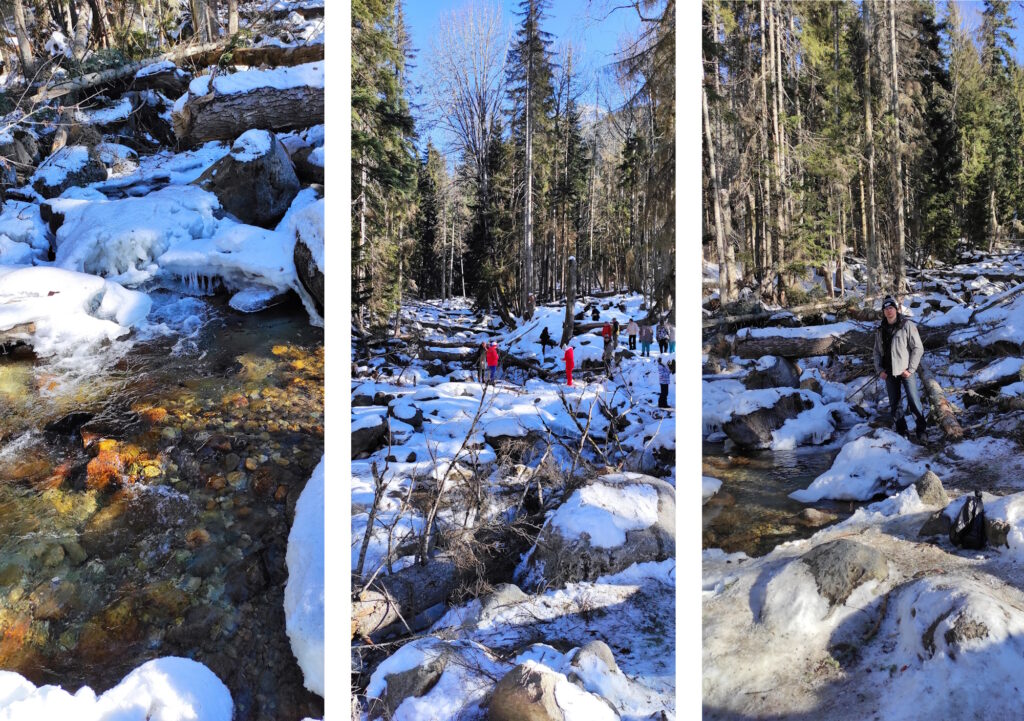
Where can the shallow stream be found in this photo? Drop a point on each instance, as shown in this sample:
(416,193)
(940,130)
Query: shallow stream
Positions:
(146,500)
(752,512)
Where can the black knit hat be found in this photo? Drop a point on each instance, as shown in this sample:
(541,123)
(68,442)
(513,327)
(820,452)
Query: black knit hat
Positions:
(890,301)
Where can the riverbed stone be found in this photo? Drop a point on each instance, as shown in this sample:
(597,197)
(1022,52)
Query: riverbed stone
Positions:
(930,490)
(813,518)
(75,553)
(842,565)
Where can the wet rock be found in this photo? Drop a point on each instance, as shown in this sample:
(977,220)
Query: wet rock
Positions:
(230,462)
(245,580)
(197,626)
(68,425)
(204,562)
(53,600)
(10,575)
(781,374)
(255,189)
(54,556)
(754,430)
(164,599)
(930,490)
(842,565)
(813,518)
(104,470)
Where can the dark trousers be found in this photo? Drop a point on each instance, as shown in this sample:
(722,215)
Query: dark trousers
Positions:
(663,396)
(662,345)
(632,342)
(894,386)
(481,372)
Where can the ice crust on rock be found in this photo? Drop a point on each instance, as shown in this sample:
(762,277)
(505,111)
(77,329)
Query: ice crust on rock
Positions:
(304,591)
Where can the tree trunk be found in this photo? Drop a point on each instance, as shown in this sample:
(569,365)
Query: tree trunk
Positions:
(725,280)
(941,411)
(81,43)
(232,17)
(528,195)
(897,159)
(570,303)
(101,28)
(28,61)
(874,277)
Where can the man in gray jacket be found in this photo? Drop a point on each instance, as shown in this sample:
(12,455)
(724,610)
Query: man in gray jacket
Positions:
(898,352)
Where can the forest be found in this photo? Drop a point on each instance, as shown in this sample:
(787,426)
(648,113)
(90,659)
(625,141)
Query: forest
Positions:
(891,131)
(533,177)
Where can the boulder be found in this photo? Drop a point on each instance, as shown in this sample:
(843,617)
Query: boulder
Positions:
(636,516)
(256,181)
(73,165)
(370,437)
(407,413)
(412,683)
(937,525)
(930,490)
(309,164)
(526,693)
(783,373)
(813,518)
(842,565)
(754,429)
(309,273)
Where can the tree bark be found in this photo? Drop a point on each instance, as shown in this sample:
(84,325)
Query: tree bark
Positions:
(874,277)
(28,61)
(570,304)
(232,17)
(897,157)
(402,595)
(941,411)
(225,117)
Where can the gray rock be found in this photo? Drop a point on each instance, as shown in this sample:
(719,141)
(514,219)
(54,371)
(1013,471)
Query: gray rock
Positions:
(929,488)
(411,683)
(504,594)
(525,694)
(937,525)
(307,170)
(596,649)
(556,561)
(367,440)
(257,191)
(754,430)
(841,566)
(783,374)
(811,384)
(361,400)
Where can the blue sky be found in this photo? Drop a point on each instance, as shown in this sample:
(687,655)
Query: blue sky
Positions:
(592,27)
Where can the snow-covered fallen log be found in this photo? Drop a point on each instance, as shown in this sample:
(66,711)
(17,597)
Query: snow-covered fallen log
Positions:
(835,338)
(281,99)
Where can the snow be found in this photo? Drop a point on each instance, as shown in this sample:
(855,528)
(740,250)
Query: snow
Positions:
(251,144)
(304,591)
(815,331)
(815,425)
(307,75)
(69,310)
(309,224)
(159,67)
(164,689)
(709,487)
(866,467)
(605,512)
(55,169)
(118,112)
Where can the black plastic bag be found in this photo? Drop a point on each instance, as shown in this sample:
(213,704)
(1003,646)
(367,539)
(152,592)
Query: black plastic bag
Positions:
(968,529)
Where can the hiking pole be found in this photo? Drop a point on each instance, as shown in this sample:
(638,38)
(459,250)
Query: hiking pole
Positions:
(869,380)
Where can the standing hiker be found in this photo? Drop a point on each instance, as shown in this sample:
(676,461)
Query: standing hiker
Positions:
(662,338)
(664,378)
(568,358)
(646,338)
(594,314)
(492,359)
(615,331)
(631,330)
(898,353)
(671,336)
(609,357)
(545,341)
(481,363)
(606,332)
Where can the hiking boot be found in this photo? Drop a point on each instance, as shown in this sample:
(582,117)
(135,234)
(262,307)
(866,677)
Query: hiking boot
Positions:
(901,427)
(922,430)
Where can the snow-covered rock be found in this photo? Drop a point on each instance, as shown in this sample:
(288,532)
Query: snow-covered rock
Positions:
(309,255)
(606,526)
(304,591)
(73,165)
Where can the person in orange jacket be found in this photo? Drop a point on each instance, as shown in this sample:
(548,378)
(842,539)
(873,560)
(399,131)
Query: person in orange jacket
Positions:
(568,363)
(492,359)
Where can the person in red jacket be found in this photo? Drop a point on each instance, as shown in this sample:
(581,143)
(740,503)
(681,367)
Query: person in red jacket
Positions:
(492,359)
(606,332)
(568,363)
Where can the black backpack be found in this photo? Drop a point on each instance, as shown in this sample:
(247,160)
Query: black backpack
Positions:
(968,529)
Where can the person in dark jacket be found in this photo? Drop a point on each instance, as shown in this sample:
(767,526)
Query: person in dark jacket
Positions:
(615,331)
(662,338)
(897,355)
(492,359)
(646,338)
(481,364)
(664,378)
(594,314)
(545,341)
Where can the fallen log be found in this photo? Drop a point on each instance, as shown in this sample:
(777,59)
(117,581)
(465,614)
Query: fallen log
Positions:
(511,360)
(390,600)
(832,306)
(832,339)
(941,411)
(996,300)
(269,55)
(224,116)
